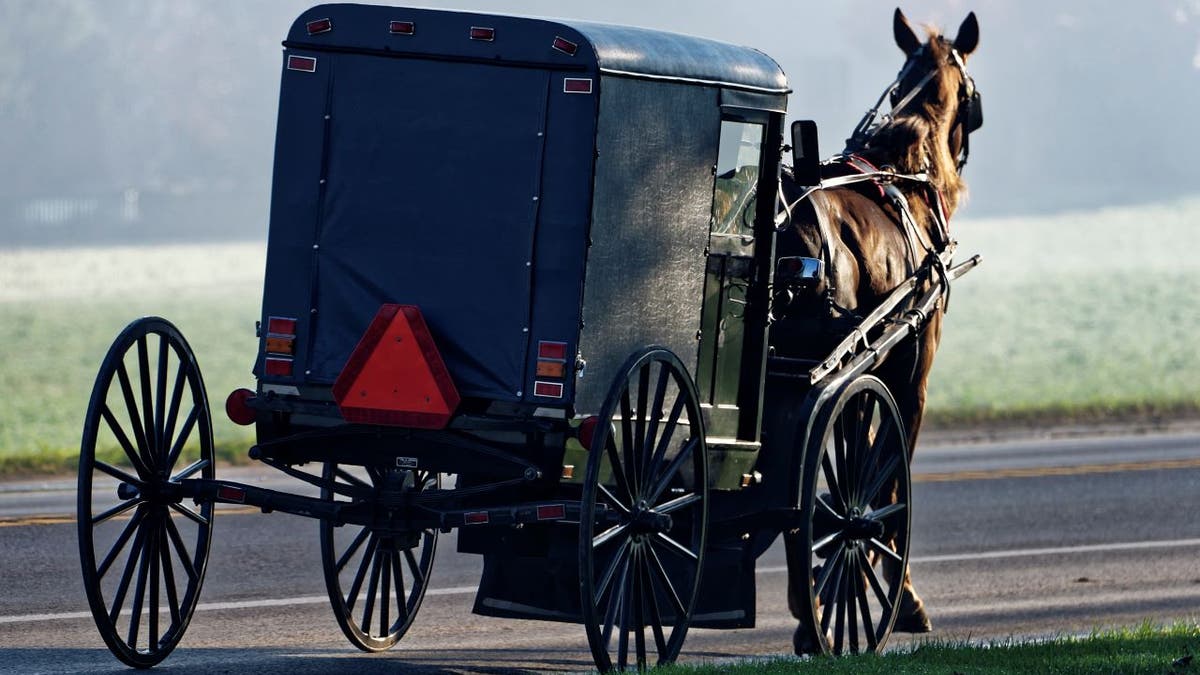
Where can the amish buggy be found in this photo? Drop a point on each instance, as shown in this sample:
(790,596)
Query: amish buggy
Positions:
(522,283)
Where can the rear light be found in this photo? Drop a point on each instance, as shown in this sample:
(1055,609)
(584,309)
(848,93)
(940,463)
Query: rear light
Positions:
(229,493)
(319,26)
(305,64)
(552,350)
(237,407)
(278,367)
(281,325)
(402,27)
(476,518)
(577,85)
(565,46)
(587,431)
(484,34)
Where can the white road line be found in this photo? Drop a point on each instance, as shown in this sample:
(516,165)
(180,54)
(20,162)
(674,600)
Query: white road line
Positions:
(464,590)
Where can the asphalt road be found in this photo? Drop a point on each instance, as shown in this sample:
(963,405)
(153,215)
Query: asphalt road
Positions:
(1028,538)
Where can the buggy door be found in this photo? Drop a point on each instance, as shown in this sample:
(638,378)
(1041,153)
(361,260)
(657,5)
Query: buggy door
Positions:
(428,196)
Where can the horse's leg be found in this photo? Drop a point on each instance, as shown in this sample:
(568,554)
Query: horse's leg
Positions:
(907,379)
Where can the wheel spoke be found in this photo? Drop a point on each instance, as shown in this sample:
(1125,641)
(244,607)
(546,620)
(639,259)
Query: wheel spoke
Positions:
(181,373)
(676,547)
(623,637)
(887,511)
(829,593)
(839,608)
(189,514)
(351,549)
(372,587)
(350,478)
(612,499)
(886,550)
(152,629)
(609,534)
(169,580)
(864,607)
(868,464)
(140,590)
(118,509)
(678,503)
(123,440)
(360,575)
(664,480)
(116,473)
(639,449)
(877,586)
(615,601)
(827,570)
(833,483)
(119,544)
(656,566)
(607,577)
(650,598)
(414,568)
(190,470)
(618,471)
(135,419)
(401,592)
(160,393)
(639,612)
(184,433)
(841,460)
(656,405)
(627,463)
(826,540)
(881,479)
(660,450)
(181,550)
(135,553)
(385,590)
(147,398)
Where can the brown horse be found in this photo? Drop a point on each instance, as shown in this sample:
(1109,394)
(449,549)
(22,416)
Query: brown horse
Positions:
(867,248)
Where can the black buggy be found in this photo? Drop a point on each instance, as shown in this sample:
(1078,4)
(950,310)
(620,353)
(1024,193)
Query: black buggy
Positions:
(519,284)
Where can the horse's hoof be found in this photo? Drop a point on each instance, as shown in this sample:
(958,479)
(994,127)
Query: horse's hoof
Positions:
(803,643)
(916,621)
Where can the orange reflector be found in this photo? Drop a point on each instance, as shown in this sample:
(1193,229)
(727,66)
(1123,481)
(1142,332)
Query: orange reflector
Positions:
(551,512)
(281,345)
(237,409)
(551,369)
(568,471)
(476,518)
(395,376)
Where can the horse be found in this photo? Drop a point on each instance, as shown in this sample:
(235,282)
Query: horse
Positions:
(867,247)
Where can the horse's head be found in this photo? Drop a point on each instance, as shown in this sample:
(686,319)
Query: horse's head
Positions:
(935,87)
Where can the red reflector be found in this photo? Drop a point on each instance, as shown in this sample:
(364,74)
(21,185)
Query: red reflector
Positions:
(319,26)
(396,375)
(551,512)
(306,64)
(231,494)
(587,431)
(402,27)
(485,34)
(548,389)
(281,326)
(476,518)
(565,46)
(577,85)
(552,350)
(237,409)
(278,367)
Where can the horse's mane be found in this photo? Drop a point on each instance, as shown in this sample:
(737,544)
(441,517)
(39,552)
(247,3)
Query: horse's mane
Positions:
(918,139)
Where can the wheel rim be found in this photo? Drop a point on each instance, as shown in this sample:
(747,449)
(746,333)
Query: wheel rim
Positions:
(144,551)
(377,576)
(857,496)
(640,569)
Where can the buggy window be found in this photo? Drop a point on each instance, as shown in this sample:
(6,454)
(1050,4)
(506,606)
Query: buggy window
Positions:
(738,160)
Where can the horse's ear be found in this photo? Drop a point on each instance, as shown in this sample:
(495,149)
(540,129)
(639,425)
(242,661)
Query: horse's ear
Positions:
(906,38)
(968,35)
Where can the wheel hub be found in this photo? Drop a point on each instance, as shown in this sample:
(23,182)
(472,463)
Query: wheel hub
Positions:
(858,528)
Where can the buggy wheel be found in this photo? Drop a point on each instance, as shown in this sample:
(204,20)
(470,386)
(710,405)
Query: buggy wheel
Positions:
(143,551)
(855,496)
(645,515)
(376,575)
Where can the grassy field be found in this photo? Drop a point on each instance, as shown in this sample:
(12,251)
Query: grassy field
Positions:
(1151,650)
(1085,315)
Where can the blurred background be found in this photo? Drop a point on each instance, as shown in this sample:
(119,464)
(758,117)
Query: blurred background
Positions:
(136,148)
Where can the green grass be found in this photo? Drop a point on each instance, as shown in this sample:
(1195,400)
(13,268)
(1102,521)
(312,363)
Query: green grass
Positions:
(1147,649)
(1076,317)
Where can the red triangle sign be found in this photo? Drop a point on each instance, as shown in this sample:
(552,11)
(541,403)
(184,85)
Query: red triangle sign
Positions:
(395,376)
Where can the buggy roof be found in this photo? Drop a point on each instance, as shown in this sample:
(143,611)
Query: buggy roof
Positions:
(615,50)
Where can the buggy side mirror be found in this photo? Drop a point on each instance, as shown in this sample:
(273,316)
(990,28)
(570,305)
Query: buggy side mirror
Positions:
(806,158)
(799,272)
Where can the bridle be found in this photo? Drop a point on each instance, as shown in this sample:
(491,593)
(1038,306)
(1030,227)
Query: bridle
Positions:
(970,104)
